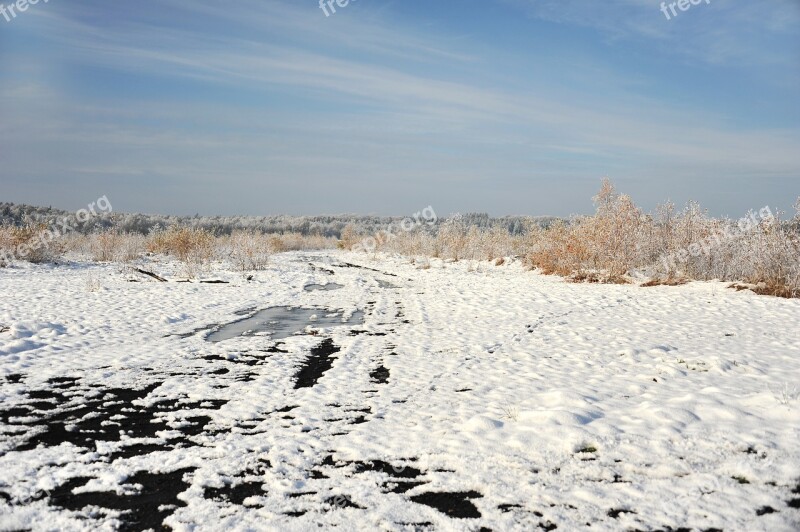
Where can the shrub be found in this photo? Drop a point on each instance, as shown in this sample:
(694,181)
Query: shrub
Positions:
(32,242)
(104,246)
(6,246)
(131,247)
(556,250)
(112,245)
(620,242)
(349,237)
(193,247)
(300,242)
(249,250)
(603,247)
(452,240)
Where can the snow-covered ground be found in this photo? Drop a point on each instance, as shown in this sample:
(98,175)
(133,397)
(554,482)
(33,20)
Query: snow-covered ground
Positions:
(489,398)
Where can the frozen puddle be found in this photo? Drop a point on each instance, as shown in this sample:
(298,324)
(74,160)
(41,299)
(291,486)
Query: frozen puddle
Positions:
(324,287)
(283,322)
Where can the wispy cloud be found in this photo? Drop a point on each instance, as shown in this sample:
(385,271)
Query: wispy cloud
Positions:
(723,31)
(279,93)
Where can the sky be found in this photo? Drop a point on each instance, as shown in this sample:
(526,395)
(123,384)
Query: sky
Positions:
(259,107)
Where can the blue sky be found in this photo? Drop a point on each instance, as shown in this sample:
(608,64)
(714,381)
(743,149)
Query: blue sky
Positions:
(385,107)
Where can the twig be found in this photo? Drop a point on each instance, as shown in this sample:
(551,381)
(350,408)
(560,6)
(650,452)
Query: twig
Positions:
(151,274)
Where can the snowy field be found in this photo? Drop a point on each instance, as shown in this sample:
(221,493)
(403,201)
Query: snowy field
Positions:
(468,399)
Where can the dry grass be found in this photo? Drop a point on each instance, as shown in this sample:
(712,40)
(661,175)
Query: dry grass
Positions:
(113,246)
(600,248)
(620,243)
(33,242)
(670,247)
(765,289)
(195,248)
(455,242)
(300,242)
(6,246)
(105,246)
(350,237)
(597,277)
(246,250)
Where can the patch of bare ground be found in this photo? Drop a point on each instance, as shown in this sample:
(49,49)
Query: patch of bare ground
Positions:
(768,289)
(669,281)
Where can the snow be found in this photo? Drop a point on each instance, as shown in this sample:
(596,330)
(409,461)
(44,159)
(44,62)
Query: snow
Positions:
(542,402)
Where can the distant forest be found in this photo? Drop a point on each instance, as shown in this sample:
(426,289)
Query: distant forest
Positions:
(327,226)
